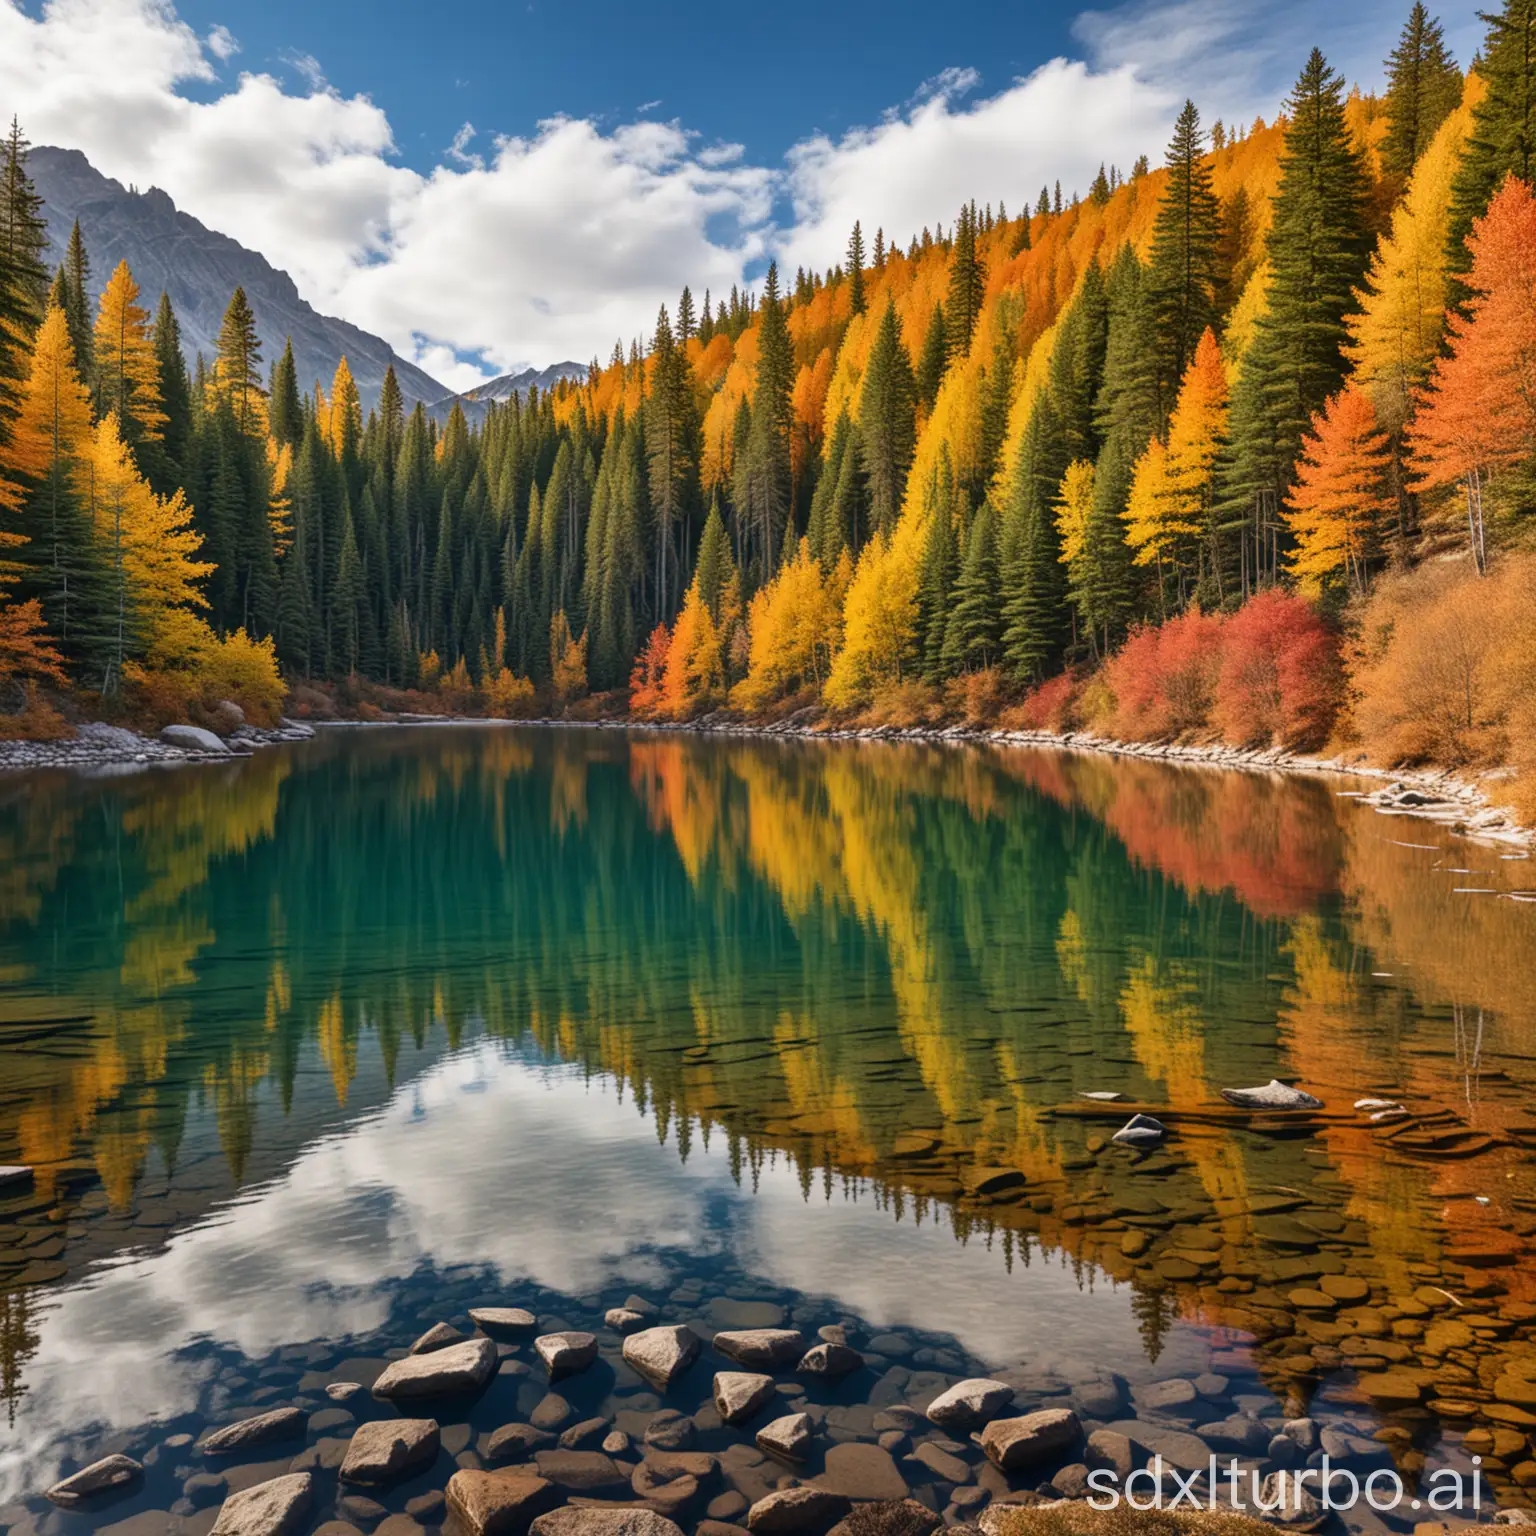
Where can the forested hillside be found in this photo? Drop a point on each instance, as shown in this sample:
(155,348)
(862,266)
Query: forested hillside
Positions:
(1241,445)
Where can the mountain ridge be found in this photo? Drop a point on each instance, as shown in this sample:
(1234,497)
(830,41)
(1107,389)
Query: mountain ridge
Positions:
(474,402)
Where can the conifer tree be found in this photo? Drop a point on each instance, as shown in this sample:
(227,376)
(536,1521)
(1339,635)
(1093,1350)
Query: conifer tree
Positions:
(1184,249)
(933,360)
(77,304)
(127,369)
(1423,89)
(856,271)
(973,633)
(286,411)
(1032,574)
(967,286)
(887,422)
(237,367)
(170,466)
(23,232)
(940,565)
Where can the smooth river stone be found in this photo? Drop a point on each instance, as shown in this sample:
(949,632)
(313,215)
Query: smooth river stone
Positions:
(262,1429)
(740,1394)
(604,1522)
(1273,1095)
(564,1354)
(279,1507)
(438,1336)
(515,1442)
(1014,1443)
(586,1472)
(661,1355)
(386,1450)
(788,1438)
(831,1362)
(499,1503)
(858,1470)
(796,1510)
(109,1475)
(969,1404)
(768,1349)
(462,1367)
(503,1319)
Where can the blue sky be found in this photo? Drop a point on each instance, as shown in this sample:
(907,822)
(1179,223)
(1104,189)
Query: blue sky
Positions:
(494,183)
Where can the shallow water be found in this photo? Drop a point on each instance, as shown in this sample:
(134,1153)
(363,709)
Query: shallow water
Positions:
(313,1050)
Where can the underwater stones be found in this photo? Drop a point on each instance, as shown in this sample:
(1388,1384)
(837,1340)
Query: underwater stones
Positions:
(944,1466)
(732,1312)
(661,1355)
(112,1474)
(1014,1443)
(261,1429)
(624,1319)
(278,1507)
(858,1470)
(1272,1095)
(1140,1131)
(740,1394)
(762,1348)
(587,1472)
(969,1404)
(515,1442)
(499,1503)
(438,1336)
(669,1430)
(603,1522)
(1164,1396)
(566,1354)
(985,1180)
(458,1368)
(1239,1434)
(503,1319)
(578,1435)
(1398,1388)
(1290,1504)
(830,1361)
(1107,1448)
(550,1412)
(796,1510)
(788,1438)
(1103,1399)
(1189,1453)
(342,1391)
(384,1451)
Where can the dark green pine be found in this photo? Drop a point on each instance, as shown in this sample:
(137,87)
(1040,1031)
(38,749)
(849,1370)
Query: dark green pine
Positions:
(887,422)
(1423,89)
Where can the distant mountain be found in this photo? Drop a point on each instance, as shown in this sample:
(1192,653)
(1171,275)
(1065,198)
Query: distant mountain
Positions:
(474,401)
(200,268)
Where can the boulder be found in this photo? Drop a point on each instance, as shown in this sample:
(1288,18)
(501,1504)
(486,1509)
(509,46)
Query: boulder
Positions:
(624,1319)
(889,1517)
(1014,1443)
(1140,1131)
(459,1368)
(831,1362)
(793,1511)
(113,738)
(788,1438)
(386,1451)
(581,1434)
(499,1503)
(193,738)
(1273,1095)
(502,1319)
(764,1349)
(112,1474)
(1189,1453)
(438,1336)
(661,1355)
(564,1354)
(603,1522)
(263,1429)
(515,1442)
(279,1507)
(969,1404)
(15,1176)
(1290,1504)
(581,1471)
(740,1394)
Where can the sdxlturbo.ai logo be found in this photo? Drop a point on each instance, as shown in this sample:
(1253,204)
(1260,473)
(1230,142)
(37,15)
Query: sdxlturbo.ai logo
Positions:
(1325,1487)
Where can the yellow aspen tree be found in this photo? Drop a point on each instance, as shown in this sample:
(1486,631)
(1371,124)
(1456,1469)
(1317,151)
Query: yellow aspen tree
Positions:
(1074,501)
(1144,530)
(279,503)
(1195,434)
(793,626)
(344,420)
(53,425)
(127,371)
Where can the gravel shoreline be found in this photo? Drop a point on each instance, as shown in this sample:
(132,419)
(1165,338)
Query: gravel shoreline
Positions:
(99,750)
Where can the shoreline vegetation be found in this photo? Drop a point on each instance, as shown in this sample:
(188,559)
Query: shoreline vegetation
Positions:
(1237,450)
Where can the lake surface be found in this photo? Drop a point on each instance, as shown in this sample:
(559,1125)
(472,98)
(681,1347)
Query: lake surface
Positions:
(319,1048)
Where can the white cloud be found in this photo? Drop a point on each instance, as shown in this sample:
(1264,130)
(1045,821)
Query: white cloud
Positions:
(551,244)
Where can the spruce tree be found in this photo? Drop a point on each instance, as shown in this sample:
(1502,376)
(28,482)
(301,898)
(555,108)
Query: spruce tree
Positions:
(1423,89)
(973,633)
(887,421)
(77,304)
(940,565)
(856,271)
(933,360)
(286,412)
(1033,578)
(1502,138)
(23,232)
(1184,247)
(967,286)
(175,397)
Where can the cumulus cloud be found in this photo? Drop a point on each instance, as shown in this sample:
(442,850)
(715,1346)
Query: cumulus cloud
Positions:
(550,244)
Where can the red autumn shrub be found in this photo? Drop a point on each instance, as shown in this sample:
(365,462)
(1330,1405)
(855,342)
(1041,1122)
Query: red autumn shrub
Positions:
(1050,707)
(1164,677)
(1280,680)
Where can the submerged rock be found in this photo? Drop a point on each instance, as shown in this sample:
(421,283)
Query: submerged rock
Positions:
(515,1442)
(386,1450)
(438,1336)
(503,1319)
(740,1394)
(1273,1095)
(604,1522)
(462,1367)
(969,1404)
(661,1355)
(564,1354)
(279,1507)
(499,1503)
(262,1429)
(624,1319)
(796,1510)
(831,1361)
(112,1474)
(788,1438)
(1014,1443)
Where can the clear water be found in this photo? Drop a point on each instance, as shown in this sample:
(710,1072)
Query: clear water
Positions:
(313,1050)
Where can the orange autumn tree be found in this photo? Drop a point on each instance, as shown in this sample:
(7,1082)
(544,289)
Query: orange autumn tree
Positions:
(648,677)
(1477,414)
(25,649)
(695,673)
(1340,498)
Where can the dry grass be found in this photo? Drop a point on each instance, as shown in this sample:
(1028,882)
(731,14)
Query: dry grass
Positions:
(1079,1519)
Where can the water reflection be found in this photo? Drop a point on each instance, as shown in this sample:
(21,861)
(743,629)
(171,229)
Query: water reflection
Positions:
(890,969)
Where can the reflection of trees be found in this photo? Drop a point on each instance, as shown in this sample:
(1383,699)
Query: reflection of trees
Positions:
(18,1343)
(893,962)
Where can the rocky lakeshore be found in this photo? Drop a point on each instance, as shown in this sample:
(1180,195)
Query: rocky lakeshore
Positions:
(100,748)
(713,1409)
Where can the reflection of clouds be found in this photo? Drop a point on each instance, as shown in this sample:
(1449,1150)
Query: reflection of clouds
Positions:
(539,1175)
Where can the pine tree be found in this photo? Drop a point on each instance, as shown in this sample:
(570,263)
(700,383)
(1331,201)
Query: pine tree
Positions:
(1184,250)
(237,367)
(286,411)
(170,466)
(856,270)
(23,233)
(77,304)
(887,421)
(1502,140)
(127,369)
(967,286)
(687,321)
(1098,193)
(933,360)
(973,633)
(940,565)
(1423,89)
(348,600)
(1032,573)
